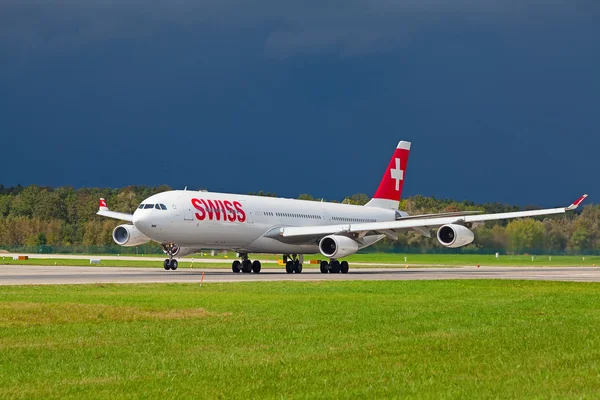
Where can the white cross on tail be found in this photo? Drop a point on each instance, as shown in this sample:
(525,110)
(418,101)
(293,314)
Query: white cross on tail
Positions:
(397,174)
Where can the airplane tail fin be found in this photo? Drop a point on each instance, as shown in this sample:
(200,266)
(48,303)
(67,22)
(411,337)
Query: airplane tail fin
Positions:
(105,212)
(390,188)
(102,206)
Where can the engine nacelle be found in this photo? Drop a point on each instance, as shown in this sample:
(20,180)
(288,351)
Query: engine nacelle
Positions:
(453,235)
(128,236)
(337,246)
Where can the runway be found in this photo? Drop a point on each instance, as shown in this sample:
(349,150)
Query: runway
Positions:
(196,259)
(54,275)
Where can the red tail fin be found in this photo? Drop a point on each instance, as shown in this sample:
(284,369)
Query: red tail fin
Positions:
(102,205)
(390,189)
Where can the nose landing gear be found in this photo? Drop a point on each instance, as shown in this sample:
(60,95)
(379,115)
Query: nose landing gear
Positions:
(170,264)
(170,250)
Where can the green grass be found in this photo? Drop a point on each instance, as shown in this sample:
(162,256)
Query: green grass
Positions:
(380,259)
(403,339)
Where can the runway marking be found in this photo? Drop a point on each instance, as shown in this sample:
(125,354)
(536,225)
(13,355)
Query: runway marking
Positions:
(41,275)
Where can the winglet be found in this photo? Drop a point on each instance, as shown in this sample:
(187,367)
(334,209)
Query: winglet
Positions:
(102,205)
(576,203)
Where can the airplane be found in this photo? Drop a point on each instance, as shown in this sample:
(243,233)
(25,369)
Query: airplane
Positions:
(184,222)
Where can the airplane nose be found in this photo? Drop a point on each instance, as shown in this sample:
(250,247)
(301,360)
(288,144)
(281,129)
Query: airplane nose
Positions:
(139,219)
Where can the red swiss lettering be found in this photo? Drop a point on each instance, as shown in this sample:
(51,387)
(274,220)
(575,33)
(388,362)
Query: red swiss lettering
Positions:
(241,214)
(230,210)
(222,209)
(202,214)
(210,208)
(214,209)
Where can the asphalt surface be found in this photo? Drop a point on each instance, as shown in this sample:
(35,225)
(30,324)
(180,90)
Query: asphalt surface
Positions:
(195,260)
(40,275)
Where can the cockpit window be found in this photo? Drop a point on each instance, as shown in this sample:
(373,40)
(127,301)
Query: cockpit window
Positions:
(147,206)
(157,206)
(162,206)
(141,206)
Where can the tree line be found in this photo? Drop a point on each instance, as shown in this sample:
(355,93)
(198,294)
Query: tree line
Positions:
(64,216)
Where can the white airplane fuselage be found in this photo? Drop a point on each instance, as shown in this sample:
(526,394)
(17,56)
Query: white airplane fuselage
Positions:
(249,224)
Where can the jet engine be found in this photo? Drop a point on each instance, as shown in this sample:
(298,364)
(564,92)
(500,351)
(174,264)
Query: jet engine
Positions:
(337,246)
(453,235)
(128,236)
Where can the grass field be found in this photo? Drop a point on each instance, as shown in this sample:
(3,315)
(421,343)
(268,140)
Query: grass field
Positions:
(380,259)
(437,339)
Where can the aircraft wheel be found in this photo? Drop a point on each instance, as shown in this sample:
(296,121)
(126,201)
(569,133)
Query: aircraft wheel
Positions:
(174,264)
(235,266)
(334,266)
(324,267)
(166,264)
(289,267)
(246,266)
(256,266)
(297,267)
(344,267)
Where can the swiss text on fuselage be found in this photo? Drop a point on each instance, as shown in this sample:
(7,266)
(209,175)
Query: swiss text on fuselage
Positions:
(219,210)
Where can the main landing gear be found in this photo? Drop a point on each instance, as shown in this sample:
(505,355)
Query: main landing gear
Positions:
(245,265)
(293,265)
(170,263)
(334,266)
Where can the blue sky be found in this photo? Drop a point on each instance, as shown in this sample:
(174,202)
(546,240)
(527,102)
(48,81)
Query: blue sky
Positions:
(500,99)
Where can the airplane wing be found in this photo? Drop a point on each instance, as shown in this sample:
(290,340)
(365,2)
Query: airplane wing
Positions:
(105,212)
(439,215)
(426,221)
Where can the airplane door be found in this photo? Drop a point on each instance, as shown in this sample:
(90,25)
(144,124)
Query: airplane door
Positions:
(186,210)
(326,216)
(188,213)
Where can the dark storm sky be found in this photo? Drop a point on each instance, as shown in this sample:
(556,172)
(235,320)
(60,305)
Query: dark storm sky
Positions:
(501,99)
